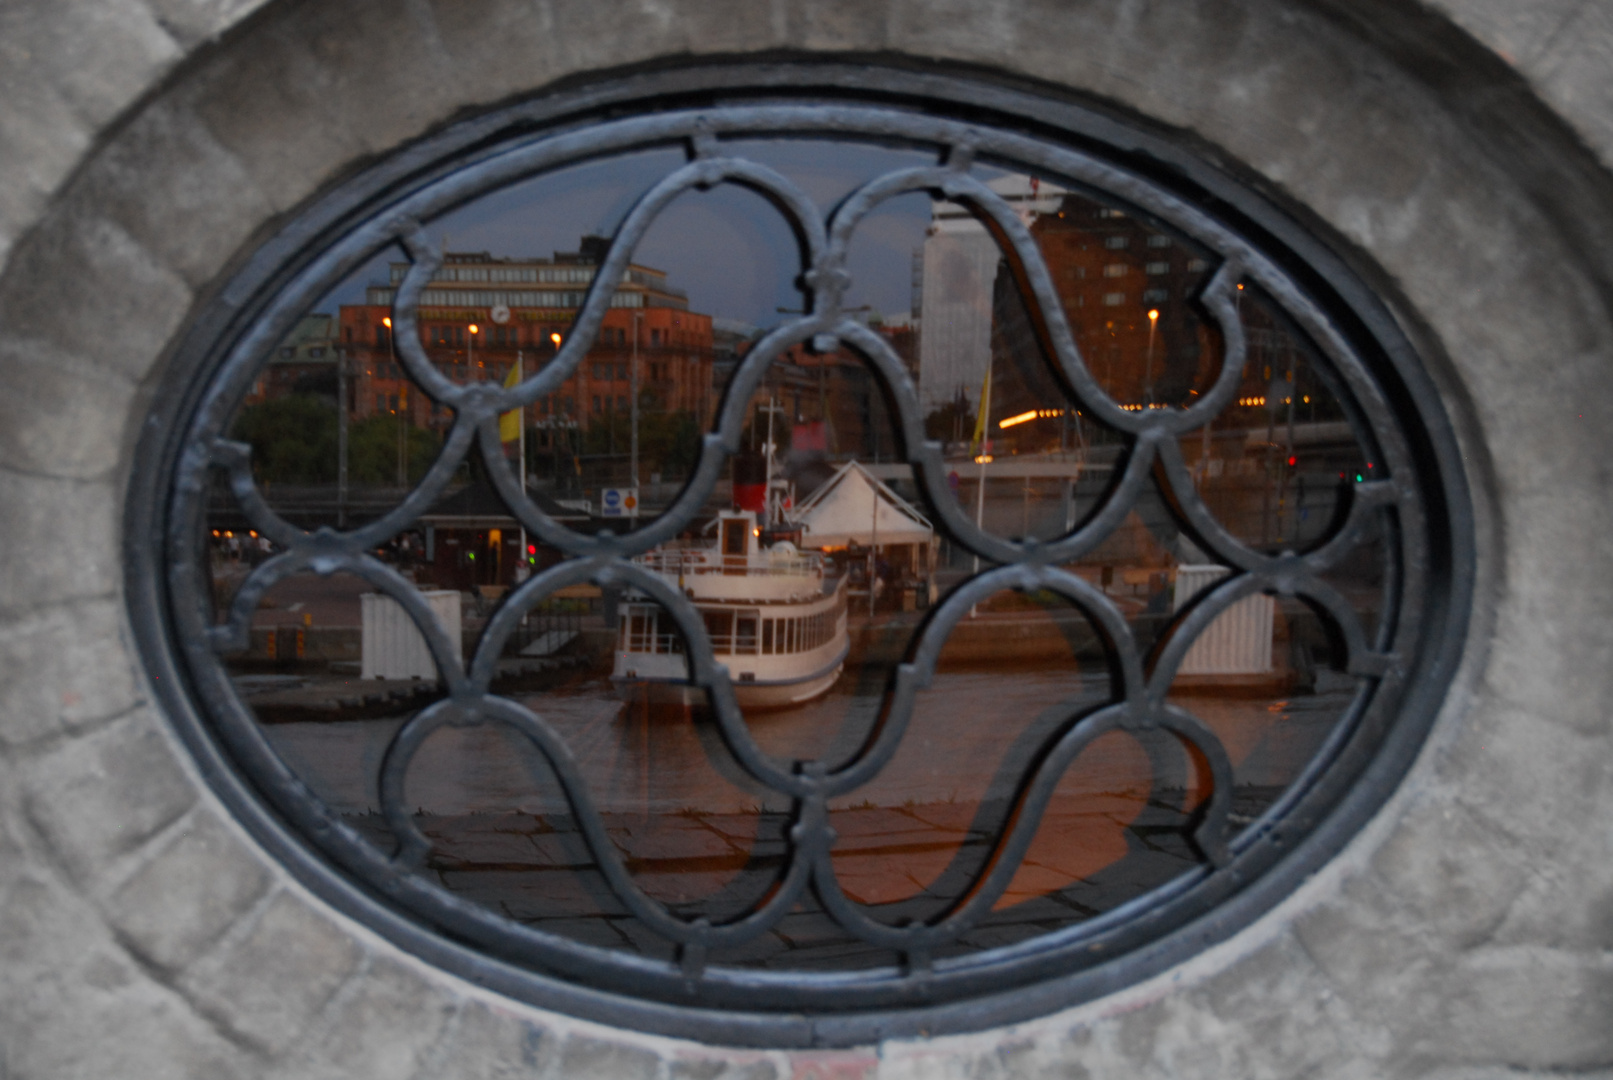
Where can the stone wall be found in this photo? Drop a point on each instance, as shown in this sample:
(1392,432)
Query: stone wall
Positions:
(1461,146)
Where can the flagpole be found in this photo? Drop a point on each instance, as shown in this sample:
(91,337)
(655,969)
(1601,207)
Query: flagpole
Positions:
(982,442)
(520,374)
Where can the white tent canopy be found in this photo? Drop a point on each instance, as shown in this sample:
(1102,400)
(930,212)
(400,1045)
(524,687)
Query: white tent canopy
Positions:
(852,507)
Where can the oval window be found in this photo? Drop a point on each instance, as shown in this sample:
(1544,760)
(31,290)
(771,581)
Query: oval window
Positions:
(796,555)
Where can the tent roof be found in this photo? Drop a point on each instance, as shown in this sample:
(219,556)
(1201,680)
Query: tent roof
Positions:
(843,511)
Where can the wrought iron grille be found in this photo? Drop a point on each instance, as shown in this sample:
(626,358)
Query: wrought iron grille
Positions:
(1414,503)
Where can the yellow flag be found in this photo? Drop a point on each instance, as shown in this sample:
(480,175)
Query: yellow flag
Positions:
(983,420)
(509,424)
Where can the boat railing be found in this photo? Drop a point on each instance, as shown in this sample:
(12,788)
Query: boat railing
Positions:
(672,644)
(685,561)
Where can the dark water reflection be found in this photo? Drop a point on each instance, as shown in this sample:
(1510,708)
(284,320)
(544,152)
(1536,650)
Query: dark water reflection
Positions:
(701,838)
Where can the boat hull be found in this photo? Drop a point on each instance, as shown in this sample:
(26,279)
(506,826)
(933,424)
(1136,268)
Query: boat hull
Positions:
(750,695)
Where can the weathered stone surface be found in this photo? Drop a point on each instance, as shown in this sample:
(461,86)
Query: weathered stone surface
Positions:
(1472,943)
(1528,1006)
(66,68)
(587,1057)
(490,1042)
(834,24)
(193,22)
(1570,68)
(732,1068)
(75,1005)
(267,983)
(122,305)
(1452,872)
(61,669)
(1519,33)
(188,894)
(210,201)
(259,105)
(379,1027)
(60,540)
(100,797)
(53,410)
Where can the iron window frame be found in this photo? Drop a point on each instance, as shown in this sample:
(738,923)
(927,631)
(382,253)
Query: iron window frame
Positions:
(1159,160)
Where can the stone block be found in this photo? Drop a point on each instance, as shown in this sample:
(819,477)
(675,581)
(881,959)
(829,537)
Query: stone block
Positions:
(121,309)
(259,104)
(1380,964)
(729,1068)
(1549,638)
(412,88)
(1528,1007)
(1571,69)
(97,54)
(73,1004)
(1567,902)
(192,22)
(1518,33)
(178,193)
(497,49)
(100,797)
(188,894)
(585,1057)
(41,138)
(60,539)
(380,1026)
(598,36)
(1451,871)
(1530,775)
(491,1042)
(61,669)
(60,417)
(267,983)
(835,24)
(956,29)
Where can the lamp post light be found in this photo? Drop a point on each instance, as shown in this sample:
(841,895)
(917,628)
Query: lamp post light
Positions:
(1148,363)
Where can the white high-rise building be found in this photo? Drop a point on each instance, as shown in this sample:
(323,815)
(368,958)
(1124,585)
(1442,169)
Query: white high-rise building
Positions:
(960,261)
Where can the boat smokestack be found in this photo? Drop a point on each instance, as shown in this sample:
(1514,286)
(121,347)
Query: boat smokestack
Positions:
(750,483)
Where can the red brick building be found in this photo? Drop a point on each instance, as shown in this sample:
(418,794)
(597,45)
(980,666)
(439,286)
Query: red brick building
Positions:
(535,301)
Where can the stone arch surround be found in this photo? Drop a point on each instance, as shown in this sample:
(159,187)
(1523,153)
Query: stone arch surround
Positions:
(1460,148)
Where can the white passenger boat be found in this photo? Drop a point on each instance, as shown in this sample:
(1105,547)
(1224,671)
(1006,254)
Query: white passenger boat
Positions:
(775,618)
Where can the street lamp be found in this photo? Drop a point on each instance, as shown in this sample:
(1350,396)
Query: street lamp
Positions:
(1148,364)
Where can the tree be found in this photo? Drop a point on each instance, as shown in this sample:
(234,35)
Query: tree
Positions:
(668,442)
(293,439)
(372,450)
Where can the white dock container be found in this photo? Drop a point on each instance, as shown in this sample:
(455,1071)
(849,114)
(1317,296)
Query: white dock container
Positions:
(393,647)
(1238,642)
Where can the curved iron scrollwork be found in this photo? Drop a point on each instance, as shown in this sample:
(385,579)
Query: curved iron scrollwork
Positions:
(1384,659)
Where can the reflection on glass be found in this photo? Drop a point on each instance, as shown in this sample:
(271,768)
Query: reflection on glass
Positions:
(813,566)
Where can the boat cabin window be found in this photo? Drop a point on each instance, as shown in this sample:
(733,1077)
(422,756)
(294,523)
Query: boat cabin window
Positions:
(733,536)
(745,633)
(720,628)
